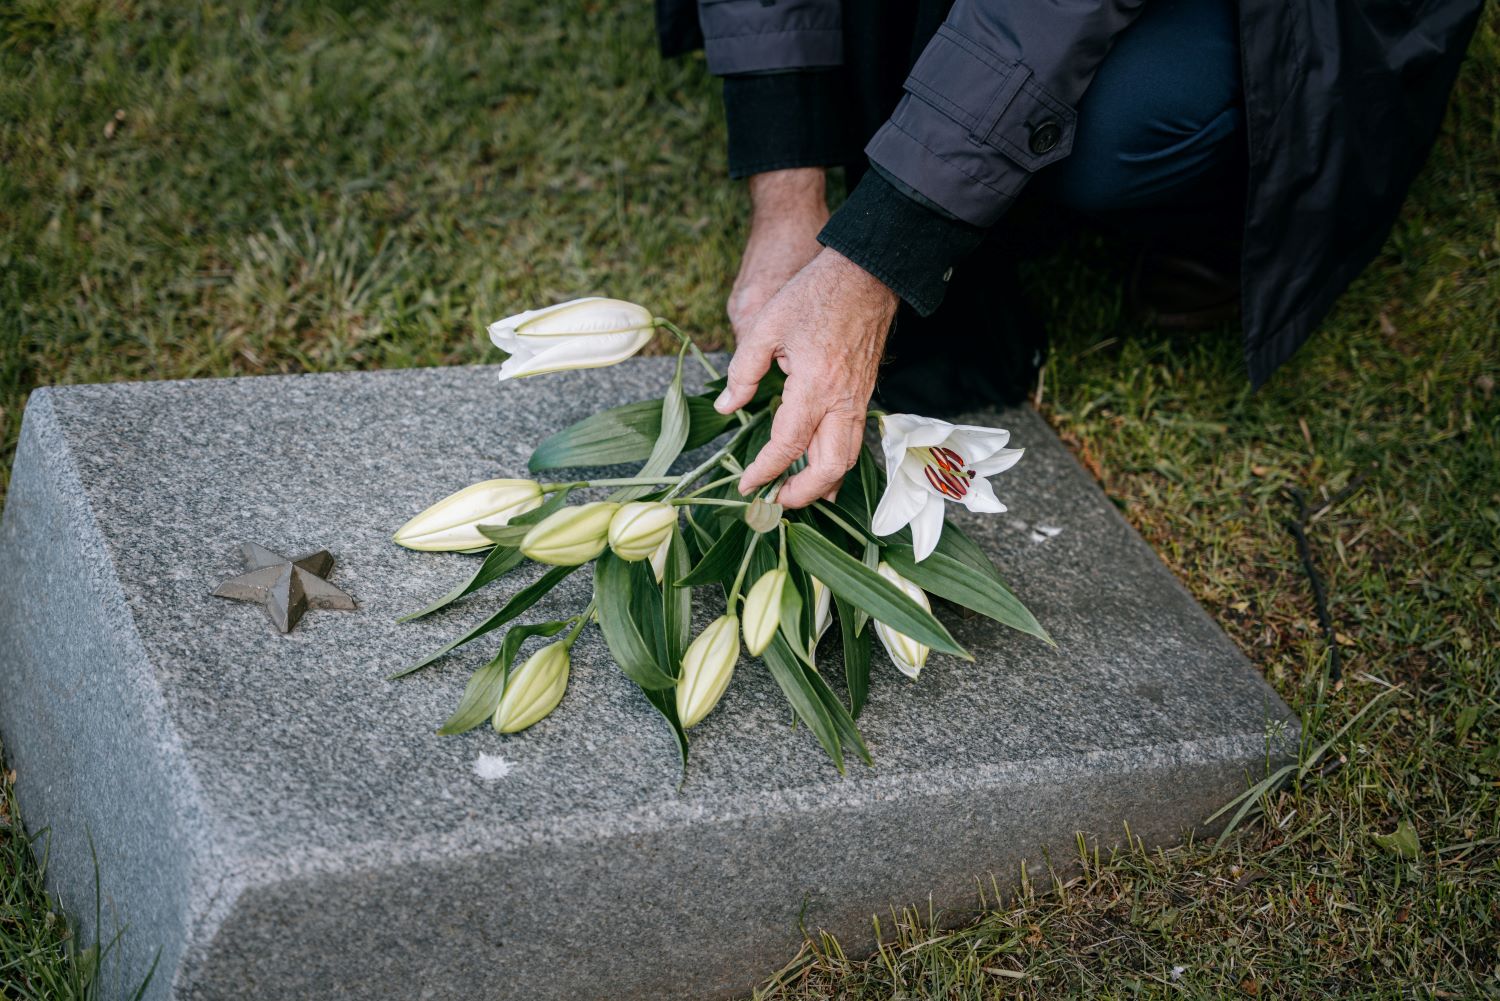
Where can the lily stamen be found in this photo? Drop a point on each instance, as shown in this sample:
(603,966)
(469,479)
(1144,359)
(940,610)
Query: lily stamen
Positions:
(947,472)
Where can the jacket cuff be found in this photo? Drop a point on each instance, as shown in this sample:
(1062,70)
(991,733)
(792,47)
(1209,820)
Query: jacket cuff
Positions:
(782,120)
(752,36)
(909,246)
(971,149)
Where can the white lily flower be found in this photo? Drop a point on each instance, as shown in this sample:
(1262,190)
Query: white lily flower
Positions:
(930,462)
(452,524)
(907,654)
(581,333)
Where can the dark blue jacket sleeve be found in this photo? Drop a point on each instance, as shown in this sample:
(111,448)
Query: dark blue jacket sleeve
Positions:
(991,99)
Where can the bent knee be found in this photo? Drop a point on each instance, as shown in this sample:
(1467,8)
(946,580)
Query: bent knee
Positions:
(1152,163)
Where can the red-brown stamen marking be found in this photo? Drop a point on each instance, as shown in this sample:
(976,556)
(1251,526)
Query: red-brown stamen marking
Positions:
(946,472)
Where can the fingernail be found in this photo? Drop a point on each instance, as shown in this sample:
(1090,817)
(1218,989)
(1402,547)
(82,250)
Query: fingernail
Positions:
(722,403)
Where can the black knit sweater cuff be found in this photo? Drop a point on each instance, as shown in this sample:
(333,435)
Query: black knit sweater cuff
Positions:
(909,246)
(782,120)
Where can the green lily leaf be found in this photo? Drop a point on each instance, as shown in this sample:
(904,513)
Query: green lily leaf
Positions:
(482,695)
(856,657)
(634,652)
(773,383)
(800,692)
(625,434)
(719,564)
(675,424)
(792,623)
(498,562)
(950,578)
(677,600)
(863,588)
(664,701)
(519,602)
(843,722)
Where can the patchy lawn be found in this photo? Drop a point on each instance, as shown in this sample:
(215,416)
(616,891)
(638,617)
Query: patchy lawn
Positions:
(231,188)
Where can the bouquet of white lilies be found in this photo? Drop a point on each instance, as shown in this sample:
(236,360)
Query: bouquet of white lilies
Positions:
(873,555)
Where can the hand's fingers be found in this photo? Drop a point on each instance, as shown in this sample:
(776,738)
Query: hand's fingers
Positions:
(832,453)
(791,429)
(752,357)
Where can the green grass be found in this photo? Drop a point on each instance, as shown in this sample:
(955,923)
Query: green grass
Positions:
(285,187)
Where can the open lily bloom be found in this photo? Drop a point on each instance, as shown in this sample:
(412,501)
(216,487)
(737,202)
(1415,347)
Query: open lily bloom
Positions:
(582,333)
(929,463)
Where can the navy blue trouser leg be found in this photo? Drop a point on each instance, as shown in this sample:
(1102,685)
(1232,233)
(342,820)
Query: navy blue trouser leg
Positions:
(1159,146)
(1158,155)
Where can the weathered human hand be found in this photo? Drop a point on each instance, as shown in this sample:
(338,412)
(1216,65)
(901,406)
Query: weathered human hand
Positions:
(826,328)
(788,208)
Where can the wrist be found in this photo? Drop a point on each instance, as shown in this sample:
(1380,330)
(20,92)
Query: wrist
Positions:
(858,281)
(794,196)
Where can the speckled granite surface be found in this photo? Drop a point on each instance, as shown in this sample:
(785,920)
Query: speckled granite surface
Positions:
(281,822)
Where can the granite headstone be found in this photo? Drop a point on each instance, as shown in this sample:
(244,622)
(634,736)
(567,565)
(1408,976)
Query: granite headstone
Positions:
(274,819)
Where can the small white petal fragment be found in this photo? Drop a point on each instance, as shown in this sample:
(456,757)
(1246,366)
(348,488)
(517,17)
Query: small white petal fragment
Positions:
(822,606)
(491,767)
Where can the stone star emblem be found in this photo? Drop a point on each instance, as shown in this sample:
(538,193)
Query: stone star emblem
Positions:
(285,588)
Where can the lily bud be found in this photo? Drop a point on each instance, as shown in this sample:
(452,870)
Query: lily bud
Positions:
(823,605)
(639,528)
(452,524)
(571,536)
(659,559)
(763,611)
(534,690)
(706,669)
(582,333)
(906,653)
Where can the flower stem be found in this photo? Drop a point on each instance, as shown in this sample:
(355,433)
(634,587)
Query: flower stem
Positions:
(833,516)
(623,481)
(709,502)
(716,483)
(693,475)
(708,366)
(739,578)
(583,619)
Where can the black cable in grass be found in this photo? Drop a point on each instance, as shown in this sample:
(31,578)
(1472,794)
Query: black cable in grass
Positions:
(1298,528)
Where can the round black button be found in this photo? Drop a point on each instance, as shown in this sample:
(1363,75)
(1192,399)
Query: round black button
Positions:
(1044,137)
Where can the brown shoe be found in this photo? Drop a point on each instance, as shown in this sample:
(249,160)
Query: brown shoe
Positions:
(1182,293)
